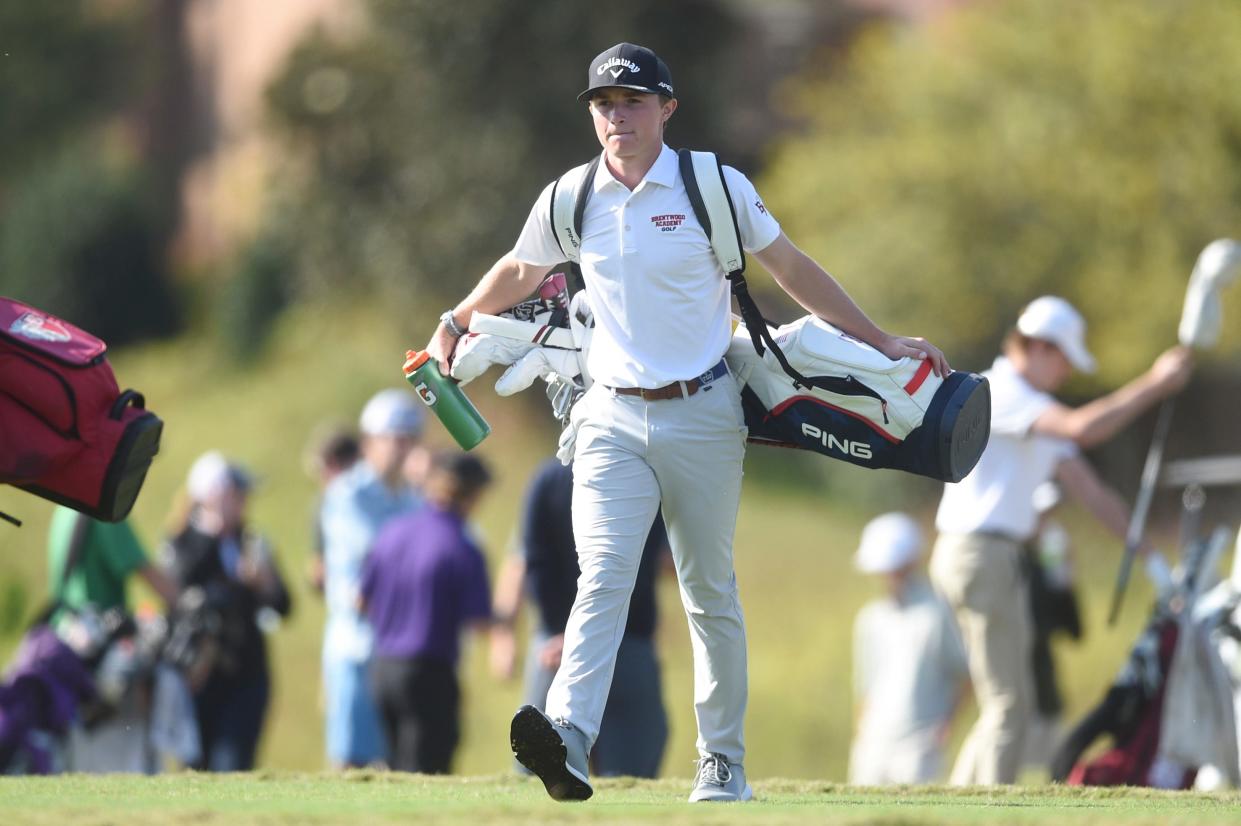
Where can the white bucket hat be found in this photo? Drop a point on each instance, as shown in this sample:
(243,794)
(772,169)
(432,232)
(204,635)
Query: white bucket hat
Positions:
(1053,319)
(889,543)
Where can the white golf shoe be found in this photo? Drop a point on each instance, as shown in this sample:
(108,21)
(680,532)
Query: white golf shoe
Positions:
(719,781)
(553,751)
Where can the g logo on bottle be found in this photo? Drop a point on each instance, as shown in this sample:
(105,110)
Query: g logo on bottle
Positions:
(425,393)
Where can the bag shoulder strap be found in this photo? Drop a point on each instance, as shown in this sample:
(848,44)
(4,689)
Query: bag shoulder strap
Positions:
(570,192)
(703,175)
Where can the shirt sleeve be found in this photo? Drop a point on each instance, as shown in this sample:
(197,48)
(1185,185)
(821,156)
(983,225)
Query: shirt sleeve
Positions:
(537,243)
(757,225)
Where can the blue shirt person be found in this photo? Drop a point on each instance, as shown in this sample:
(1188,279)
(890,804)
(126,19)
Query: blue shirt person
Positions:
(355,507)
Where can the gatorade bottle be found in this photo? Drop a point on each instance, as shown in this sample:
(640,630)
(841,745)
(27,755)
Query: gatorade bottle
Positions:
(446,400)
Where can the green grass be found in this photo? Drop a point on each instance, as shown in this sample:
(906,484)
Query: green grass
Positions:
(356,797)
(795,539)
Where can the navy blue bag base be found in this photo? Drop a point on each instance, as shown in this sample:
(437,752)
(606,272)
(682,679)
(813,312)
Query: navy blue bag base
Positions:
(946,446)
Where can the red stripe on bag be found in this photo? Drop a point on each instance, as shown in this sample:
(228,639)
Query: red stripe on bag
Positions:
(919,377)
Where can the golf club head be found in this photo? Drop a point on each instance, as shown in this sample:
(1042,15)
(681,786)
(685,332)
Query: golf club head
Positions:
(1218,265)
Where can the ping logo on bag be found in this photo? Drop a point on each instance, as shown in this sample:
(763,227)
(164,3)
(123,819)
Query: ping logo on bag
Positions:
(858,450)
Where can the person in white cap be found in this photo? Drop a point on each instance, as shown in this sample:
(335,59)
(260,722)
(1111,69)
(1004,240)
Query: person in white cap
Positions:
(909,667)
(356,504)
(984,519)
(216,549)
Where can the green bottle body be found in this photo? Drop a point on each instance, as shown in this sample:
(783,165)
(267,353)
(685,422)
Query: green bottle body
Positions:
(447,401)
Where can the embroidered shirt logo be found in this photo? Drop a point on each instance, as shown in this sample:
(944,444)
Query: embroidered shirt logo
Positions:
(613,62)
(760,206)
(668,223)
(39,328)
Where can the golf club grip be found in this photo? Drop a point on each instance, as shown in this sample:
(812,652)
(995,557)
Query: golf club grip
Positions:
(1137,521)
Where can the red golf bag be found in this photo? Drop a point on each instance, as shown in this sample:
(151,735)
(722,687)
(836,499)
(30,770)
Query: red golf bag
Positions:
(67,433)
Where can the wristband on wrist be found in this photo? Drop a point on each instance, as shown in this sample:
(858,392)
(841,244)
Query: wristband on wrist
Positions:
(451,323)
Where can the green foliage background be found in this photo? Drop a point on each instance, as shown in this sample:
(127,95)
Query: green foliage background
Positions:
(417,146)
(952,172)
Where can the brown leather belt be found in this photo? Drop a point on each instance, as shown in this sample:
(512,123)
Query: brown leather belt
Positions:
(678,389)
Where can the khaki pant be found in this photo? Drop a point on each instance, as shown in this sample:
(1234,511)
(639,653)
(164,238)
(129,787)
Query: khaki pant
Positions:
(980,576)
(632,458)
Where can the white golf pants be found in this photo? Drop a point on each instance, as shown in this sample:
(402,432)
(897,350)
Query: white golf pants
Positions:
(632,456)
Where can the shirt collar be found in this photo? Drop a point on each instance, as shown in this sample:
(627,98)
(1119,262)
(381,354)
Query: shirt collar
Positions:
(662,172)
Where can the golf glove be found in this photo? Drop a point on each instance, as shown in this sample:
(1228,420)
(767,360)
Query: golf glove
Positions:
(539,363)
(477,352)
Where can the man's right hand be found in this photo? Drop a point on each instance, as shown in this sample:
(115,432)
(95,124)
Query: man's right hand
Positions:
(441,347)
(1171,371)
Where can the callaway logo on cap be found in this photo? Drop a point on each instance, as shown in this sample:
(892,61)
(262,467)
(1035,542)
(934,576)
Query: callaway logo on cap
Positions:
(630,67)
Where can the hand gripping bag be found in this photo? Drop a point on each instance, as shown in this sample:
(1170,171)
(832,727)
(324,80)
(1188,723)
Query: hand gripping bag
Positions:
(858,405)
(67,433)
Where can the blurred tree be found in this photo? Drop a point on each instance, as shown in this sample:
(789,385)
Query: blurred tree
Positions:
(89,188)
(427,138)
(79,238)
(61,68)
(955,171)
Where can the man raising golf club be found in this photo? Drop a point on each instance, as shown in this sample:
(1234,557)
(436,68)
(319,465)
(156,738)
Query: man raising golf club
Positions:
(662,423)
(984,519)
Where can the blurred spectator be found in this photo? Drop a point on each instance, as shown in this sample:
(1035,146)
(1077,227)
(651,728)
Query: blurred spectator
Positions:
(423,582)
(89,564)
(216,554)
(332,452)
(634,729)
(1048,566)
(356,505)
(986,518)
(909,669)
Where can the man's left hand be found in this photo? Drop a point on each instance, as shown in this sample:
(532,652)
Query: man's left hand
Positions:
(899,347)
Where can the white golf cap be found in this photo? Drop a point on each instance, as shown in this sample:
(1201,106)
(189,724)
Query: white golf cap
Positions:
(212,474)
(392,412)
(889,543)
(1053,319)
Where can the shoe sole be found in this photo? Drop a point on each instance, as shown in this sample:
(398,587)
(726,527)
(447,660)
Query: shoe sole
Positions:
(538,747)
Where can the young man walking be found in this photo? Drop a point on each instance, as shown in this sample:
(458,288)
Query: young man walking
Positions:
(662,423)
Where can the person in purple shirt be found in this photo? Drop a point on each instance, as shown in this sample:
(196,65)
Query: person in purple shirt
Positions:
(424,582)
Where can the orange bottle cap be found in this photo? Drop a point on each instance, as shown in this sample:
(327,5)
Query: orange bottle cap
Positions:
(414,360)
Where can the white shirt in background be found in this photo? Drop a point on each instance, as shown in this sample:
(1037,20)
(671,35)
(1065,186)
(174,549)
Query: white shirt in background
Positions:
(998,494)
(909,665)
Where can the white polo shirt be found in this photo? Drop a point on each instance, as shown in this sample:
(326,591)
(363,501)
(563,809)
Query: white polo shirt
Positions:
(660,298)
(998,494)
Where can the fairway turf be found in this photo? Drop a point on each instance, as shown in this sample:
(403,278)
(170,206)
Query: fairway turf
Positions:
(369,797)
